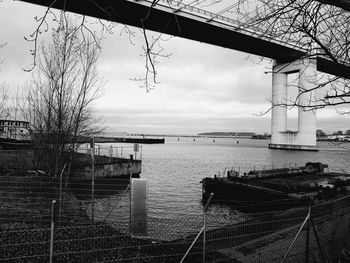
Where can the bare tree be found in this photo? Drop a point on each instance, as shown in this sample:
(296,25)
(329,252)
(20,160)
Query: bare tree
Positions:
(320,28)
(152,52)
(62,94)
(97,29)
(4,96)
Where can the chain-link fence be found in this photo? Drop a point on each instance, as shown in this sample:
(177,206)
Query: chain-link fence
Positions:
(17,159)
(87,224)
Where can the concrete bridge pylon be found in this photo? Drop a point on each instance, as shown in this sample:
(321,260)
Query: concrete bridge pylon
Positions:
(304,138)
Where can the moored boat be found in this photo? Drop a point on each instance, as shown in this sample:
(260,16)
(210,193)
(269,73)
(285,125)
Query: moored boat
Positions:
(260,190)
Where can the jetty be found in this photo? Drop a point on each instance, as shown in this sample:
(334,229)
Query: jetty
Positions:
(140,140)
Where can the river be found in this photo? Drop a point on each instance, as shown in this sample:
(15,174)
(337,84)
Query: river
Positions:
(174,169)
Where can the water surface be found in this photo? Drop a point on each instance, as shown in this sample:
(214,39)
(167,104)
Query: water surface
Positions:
(174,169)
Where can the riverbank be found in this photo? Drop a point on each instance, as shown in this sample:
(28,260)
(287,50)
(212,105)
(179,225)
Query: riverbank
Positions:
(262,237)
(26,219)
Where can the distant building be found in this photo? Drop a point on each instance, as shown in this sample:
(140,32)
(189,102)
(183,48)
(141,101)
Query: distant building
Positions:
(13,129)
(320,133)
(339,138)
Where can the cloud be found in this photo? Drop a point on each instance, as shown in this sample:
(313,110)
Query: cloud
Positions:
(159,122)
(202,87)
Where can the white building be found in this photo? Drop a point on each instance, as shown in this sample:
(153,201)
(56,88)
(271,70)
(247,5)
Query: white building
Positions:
(13,129)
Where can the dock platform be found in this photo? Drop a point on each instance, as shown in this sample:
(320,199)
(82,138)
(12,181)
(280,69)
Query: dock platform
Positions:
(139,140)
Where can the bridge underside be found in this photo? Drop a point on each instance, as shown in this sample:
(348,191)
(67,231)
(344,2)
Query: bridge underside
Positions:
(186,25)
(198,27)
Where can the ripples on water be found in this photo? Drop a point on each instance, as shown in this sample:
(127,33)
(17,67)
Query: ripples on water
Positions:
(174,169)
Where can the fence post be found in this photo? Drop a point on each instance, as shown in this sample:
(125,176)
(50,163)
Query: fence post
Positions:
(200,232)
(307,241)
(205,225)
(93,179)
(117,203)
(110,153)
(318,241)
(194,241)
(53,208)
(60,207)
(307,218)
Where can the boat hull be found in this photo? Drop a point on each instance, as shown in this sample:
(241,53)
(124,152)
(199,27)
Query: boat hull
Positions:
(248,197)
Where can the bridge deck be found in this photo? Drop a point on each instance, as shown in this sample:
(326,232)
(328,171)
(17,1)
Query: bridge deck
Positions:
(190,26)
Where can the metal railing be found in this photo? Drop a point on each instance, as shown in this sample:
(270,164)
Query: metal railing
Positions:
(235,24)
(24,160)
(114,151)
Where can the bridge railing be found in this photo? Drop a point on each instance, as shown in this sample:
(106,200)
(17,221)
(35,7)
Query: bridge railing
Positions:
(236,25)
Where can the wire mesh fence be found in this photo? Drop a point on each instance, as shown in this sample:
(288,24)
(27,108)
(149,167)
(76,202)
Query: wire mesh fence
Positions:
(16,159)
(84,229)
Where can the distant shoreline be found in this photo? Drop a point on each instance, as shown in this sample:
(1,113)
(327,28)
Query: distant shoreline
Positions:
(228,134)
(199,135)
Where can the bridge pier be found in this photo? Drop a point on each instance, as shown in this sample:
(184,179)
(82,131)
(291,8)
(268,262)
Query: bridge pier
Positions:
(305,137)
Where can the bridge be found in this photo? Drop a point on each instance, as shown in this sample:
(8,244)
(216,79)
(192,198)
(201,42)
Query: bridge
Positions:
(215,27)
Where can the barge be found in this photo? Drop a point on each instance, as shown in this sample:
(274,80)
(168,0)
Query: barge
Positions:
(275,189)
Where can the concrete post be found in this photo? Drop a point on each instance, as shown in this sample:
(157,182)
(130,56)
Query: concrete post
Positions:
(307,119)
(305,137)
(279,95)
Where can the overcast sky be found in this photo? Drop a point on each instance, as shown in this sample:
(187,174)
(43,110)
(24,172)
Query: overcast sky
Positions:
(203,88)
